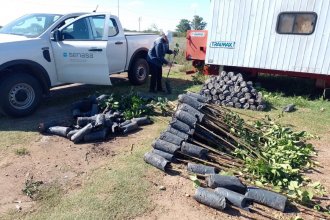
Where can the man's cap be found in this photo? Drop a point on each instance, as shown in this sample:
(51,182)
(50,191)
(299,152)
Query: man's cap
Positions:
(165,33)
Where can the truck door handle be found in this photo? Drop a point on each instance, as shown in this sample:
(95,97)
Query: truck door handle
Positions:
(95,49)
(119,43)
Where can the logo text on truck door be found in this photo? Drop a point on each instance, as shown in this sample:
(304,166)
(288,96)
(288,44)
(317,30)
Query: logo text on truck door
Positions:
(78,55)
(223,44)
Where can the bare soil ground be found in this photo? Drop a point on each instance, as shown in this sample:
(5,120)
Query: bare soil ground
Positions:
(49,159)
(57,160)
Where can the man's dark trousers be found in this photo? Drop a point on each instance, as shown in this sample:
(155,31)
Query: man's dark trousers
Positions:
(156,77)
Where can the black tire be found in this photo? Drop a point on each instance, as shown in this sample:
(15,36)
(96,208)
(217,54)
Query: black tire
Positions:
(20,95)
(139,72)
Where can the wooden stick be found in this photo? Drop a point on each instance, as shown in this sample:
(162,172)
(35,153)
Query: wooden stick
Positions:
(223,154)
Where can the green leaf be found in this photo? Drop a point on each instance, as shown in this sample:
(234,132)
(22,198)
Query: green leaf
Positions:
(292,194)
(226,173)
(196,182)
(293,185)
(277,189)
(258,183)
(193,177)
(310,194)
(317,207)
(315,184)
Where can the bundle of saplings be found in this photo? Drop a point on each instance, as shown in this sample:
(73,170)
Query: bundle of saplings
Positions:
(230,89)
(259,162)
(96,118)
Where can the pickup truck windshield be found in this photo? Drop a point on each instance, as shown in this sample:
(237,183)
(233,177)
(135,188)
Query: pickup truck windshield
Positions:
(31,25)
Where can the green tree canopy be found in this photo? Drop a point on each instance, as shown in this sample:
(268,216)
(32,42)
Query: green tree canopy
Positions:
(183,26)
(197,23)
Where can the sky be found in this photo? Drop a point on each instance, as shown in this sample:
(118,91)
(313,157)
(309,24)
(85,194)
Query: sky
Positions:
(165,14)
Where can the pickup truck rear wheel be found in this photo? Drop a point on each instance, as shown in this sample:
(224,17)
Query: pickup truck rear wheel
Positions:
(20,95)
(139,72)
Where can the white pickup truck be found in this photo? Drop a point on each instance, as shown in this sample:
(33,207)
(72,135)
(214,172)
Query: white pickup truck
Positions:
(40,51)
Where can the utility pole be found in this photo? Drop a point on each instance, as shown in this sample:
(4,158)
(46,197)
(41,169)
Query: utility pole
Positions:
(118,8)
(140,18)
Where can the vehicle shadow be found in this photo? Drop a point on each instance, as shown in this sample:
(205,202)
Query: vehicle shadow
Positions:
(57,105)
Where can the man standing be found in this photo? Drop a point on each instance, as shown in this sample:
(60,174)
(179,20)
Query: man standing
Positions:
(156,59)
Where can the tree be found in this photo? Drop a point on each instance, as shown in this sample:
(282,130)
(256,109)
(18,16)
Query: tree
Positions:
(154,27)
(197,23)
(183,26)
(128,30)
(0,26)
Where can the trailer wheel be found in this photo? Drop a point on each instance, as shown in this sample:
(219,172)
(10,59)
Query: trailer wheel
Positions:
(20,95)
(138,74)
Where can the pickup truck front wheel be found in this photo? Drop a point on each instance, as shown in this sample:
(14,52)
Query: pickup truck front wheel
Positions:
(20,95)
(139,72)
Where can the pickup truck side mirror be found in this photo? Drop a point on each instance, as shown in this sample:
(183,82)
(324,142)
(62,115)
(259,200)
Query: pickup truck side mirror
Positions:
(56,35)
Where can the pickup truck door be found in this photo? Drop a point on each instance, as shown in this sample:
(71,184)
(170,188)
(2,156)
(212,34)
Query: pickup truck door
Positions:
(117,47)
(80,53)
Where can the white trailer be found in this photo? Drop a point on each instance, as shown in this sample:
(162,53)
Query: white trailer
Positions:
(290,37)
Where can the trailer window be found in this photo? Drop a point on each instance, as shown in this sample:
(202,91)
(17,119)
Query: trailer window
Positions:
(296,23)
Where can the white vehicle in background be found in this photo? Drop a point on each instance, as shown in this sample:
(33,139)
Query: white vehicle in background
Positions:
(40,51)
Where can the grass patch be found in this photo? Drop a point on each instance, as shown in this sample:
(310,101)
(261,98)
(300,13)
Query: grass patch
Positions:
(312,119)
(32,188)
(312,114)
(12,137)
(50,194)
(185,67)
(199,78)
(22,151)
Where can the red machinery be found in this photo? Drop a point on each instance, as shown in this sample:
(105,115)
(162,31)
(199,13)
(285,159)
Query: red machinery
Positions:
(196,51)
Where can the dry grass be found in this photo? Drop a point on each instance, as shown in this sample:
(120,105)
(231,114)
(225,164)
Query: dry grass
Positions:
(14,132)
(21,151)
